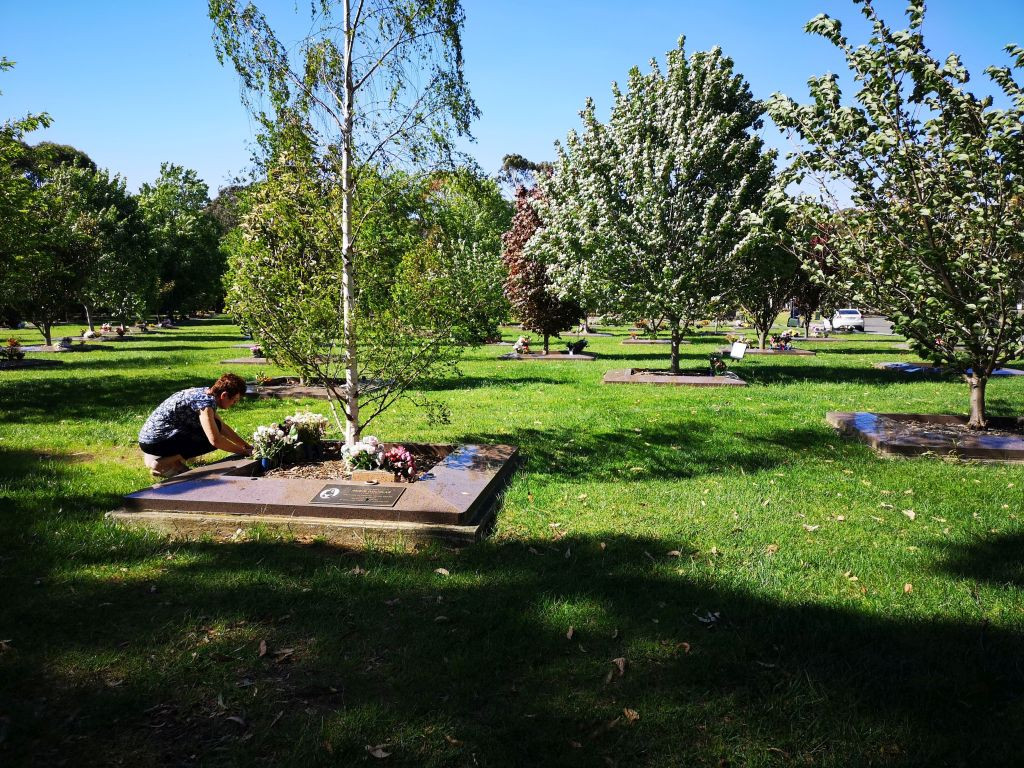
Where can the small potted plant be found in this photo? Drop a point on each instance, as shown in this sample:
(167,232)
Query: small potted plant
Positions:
(256,350)
(63,344)
(121,330)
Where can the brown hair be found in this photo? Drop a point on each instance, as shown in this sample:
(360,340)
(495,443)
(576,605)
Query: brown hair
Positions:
(229,383)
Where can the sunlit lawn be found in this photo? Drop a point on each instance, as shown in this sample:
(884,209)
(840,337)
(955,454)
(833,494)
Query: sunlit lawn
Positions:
(775,594)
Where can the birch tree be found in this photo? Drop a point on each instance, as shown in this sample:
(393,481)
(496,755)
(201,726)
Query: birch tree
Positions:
(935,235)
(375,84)
(648,214)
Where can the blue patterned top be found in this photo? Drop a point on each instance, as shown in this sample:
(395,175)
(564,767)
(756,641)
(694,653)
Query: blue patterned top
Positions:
(178,414)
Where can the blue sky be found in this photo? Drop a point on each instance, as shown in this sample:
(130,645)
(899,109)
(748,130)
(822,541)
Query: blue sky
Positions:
(136,82)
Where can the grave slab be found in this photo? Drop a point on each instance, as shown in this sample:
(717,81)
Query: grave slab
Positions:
(455,500)
(694,379)
(924,369)
(653,341)
(944,435)
(756,351)
(247,361)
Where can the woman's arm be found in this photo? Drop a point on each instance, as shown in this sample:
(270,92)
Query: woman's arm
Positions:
(226,430)
(225,440)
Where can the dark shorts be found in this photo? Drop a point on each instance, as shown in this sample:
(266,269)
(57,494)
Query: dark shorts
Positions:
(188,446)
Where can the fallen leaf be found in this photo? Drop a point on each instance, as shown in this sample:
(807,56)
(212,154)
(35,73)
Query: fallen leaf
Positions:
(554,525)
(568,552)
(570,633)
(263,649)
(442,571)
(582,497)
(631,714)
(575,744)
(883,505)
(357,571)
(620,664)
(908,588)
(840,518)
(609,676)
(378,751)
(811,527)
(910,513)
(282,654)
(236,719)
(675,553)
(771,549)
(440,619)
(453,741)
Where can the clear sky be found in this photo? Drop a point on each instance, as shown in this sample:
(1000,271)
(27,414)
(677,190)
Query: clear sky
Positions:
(136,82)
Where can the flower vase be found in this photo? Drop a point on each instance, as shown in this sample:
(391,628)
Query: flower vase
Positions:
(266,465)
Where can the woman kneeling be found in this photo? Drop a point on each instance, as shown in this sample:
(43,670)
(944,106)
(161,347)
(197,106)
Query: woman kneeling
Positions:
(186,425)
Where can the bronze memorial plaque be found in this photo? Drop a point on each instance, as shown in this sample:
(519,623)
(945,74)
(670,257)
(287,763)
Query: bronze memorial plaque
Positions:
(358,495)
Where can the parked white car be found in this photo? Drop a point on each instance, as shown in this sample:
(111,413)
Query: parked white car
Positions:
(846,320)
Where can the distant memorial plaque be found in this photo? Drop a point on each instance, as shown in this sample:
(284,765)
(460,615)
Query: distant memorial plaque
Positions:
(358,495)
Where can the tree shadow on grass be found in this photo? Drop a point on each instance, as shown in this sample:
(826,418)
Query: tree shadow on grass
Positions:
(762,372)
(672,450)
(47,400)
(997,560)
(274,654)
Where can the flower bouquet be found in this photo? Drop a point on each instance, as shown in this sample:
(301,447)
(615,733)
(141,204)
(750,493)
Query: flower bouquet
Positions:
(256,350)
(370,462)
(270,444)
(308,429)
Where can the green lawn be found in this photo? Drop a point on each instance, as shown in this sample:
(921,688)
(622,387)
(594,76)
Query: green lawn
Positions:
(772,598)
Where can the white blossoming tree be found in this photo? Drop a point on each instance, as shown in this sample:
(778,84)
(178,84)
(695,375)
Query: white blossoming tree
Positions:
(935,236)
(649,214)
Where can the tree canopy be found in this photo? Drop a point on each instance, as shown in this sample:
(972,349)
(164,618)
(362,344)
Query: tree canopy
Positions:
(649,213)
(934,235)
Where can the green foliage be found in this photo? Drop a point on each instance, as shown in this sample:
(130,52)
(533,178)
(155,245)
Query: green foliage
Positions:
(936,232)
(185,240)
(369,89)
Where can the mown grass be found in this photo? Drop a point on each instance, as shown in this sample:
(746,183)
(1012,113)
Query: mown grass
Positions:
(762,578)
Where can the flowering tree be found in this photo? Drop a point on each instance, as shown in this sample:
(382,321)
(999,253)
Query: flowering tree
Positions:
(374,83)
(528,288)
(648,214)
(936,232)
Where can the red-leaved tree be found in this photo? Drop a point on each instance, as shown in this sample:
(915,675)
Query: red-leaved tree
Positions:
(527,287)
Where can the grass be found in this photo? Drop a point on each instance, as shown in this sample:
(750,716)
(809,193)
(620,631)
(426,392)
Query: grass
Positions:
(762,578)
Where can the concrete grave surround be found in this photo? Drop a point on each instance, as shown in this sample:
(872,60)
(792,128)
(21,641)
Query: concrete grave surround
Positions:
(592,333)
(456,500)
(247,361)
(755,351)
(630,376)
(889,435)
(553,356)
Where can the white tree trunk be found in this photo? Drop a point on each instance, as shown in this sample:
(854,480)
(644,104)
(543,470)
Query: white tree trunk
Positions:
(348,271)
